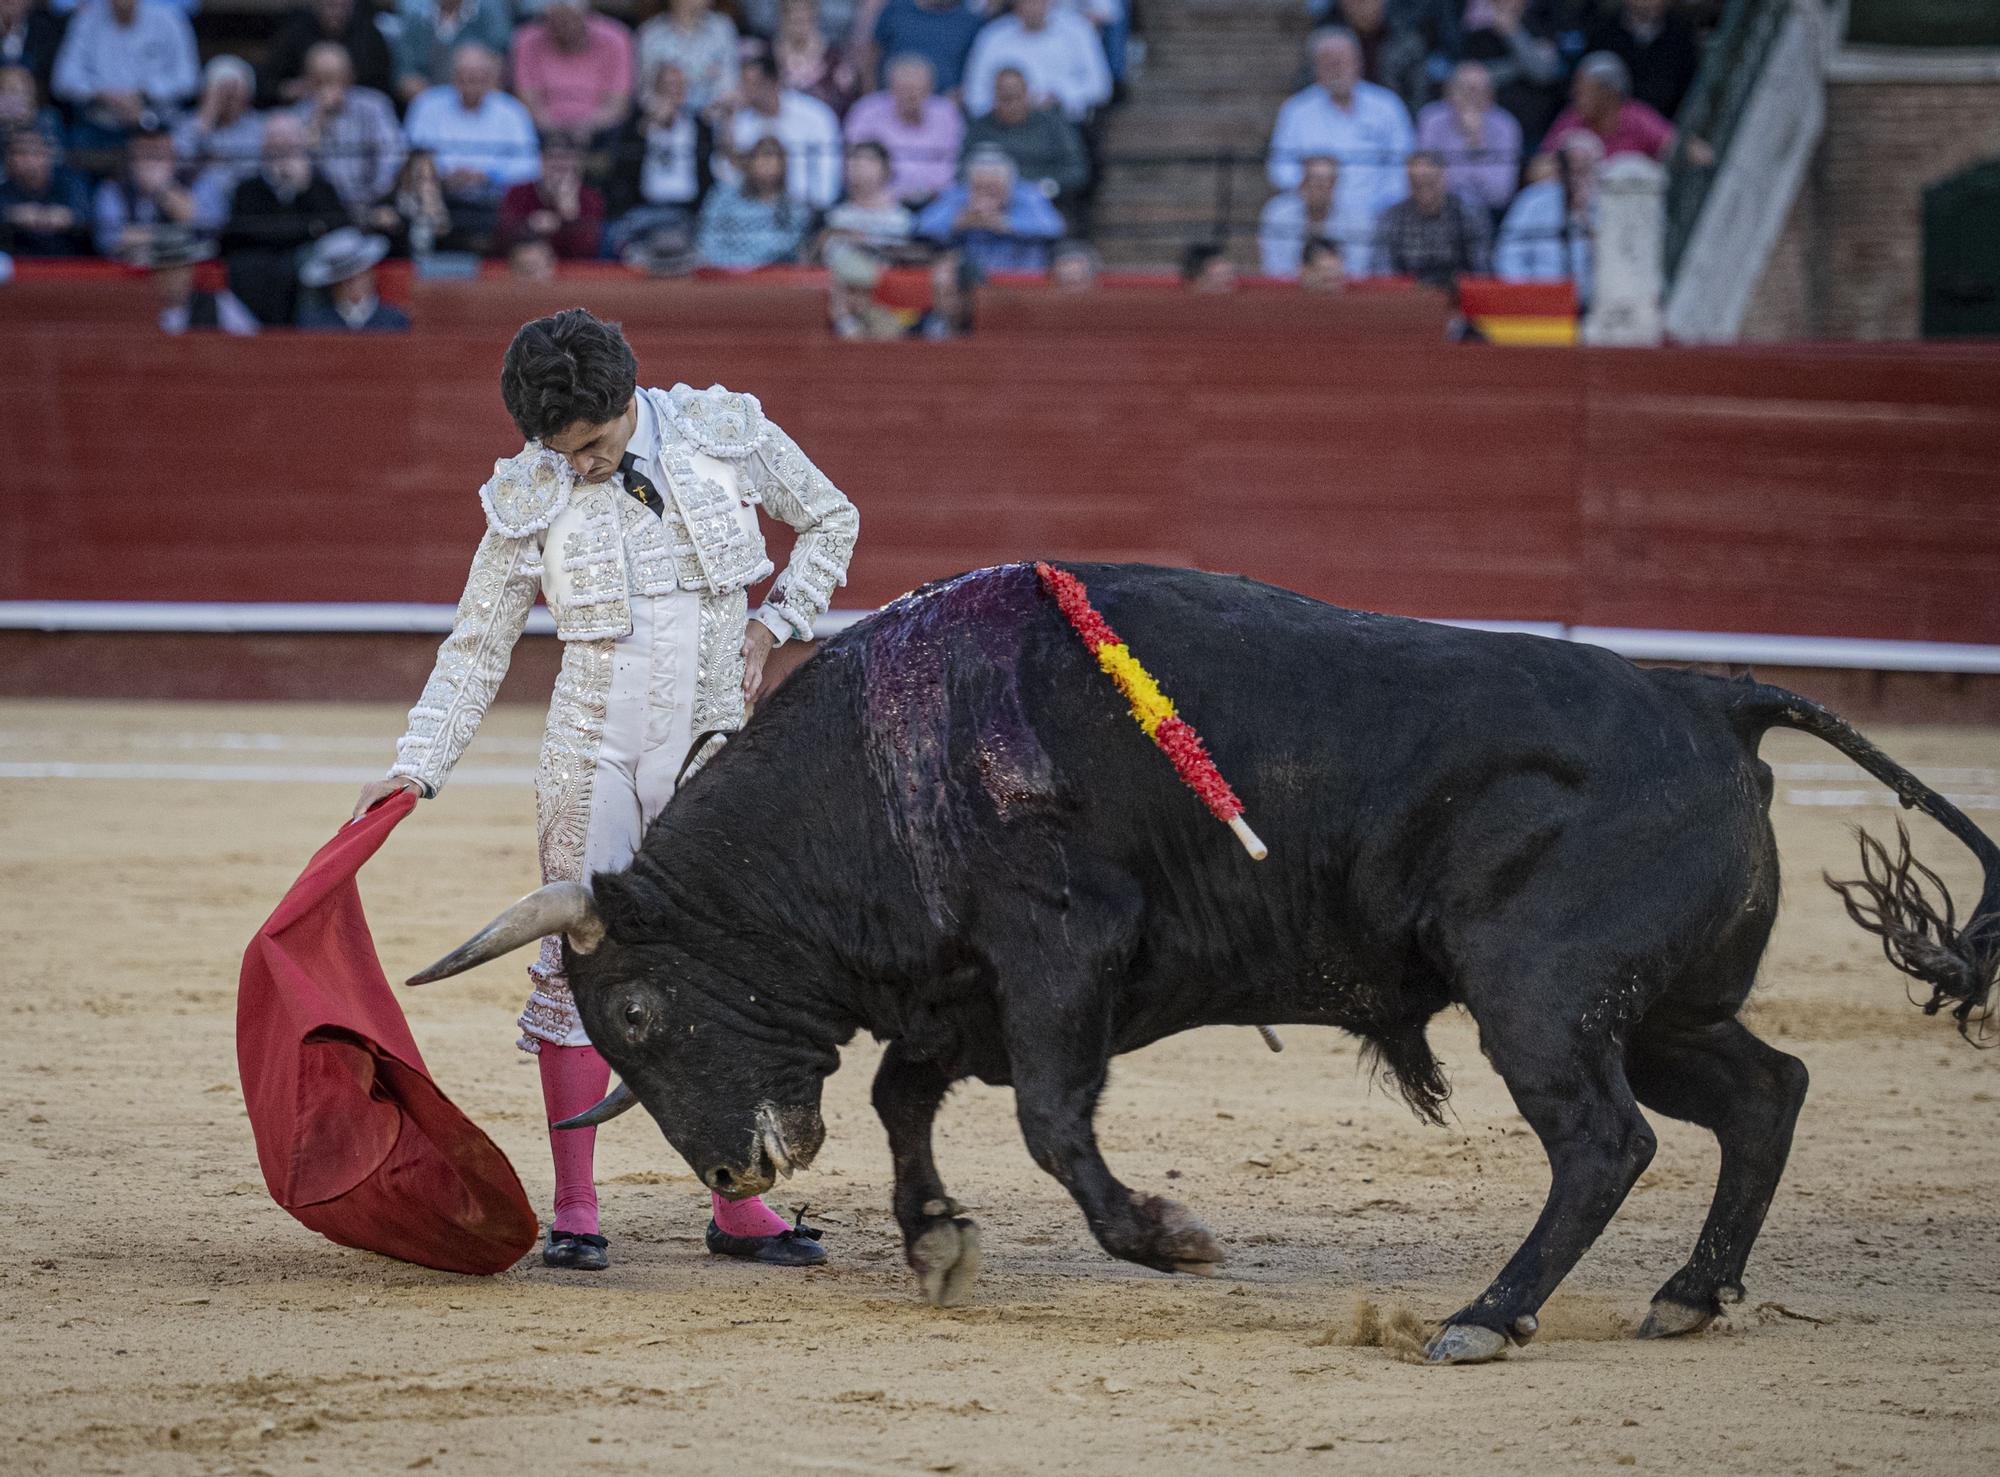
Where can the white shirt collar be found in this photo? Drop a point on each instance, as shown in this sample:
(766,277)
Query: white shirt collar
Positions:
(645,442)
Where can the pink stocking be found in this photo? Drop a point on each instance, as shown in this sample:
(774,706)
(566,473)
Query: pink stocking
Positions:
(574,1078)
(750,1217)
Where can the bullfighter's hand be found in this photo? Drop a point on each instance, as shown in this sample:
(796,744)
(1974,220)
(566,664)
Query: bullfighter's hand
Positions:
(757,644)
(376,791)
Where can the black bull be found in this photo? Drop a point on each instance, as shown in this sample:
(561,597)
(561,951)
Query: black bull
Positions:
(947,830)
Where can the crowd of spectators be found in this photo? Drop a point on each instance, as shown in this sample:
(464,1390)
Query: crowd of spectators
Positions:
(737,137)
(1435,138)
(1438,138)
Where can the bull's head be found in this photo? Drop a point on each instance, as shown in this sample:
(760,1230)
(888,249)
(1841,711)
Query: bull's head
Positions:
(720,1063)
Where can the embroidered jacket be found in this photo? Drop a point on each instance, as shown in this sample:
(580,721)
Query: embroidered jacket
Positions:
(588,549)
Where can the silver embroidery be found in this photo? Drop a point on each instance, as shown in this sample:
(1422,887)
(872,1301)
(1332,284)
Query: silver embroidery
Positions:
(718,682)
(720,422)
(472,661)
(527,490)
(797,492)
(570,744)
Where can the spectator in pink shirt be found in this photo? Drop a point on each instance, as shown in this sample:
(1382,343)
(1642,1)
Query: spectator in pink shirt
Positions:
(1601,102)
(921,131)
(573,68)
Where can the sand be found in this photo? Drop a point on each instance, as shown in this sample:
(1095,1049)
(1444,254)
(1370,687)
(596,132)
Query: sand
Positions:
(161,1315)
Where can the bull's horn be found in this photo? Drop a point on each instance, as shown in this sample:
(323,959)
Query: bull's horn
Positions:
(566,908)
(622,1097)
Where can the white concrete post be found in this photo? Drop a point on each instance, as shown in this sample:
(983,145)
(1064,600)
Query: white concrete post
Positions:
(1631,237)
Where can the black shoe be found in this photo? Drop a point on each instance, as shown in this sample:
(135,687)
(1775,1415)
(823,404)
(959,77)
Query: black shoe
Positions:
(797,1247)
(576,1251)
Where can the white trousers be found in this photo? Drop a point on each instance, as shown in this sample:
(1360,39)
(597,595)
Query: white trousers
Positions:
(619,729)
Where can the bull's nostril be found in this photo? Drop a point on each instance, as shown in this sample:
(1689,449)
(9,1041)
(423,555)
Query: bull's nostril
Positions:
(718,1180)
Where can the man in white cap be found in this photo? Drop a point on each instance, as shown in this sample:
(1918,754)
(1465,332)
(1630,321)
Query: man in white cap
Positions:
(341,264)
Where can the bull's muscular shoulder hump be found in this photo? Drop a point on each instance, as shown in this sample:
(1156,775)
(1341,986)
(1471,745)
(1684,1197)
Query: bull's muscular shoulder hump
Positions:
(723,423)
(526,491)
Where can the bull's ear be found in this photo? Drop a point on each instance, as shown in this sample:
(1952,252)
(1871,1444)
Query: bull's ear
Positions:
(627,906)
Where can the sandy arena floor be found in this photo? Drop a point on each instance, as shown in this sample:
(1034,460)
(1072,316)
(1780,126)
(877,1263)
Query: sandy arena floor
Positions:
(161,1315)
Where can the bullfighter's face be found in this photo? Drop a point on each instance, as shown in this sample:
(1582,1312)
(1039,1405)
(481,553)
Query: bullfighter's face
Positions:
(736,1092)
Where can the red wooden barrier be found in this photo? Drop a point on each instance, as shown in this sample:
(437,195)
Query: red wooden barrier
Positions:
(1321,446)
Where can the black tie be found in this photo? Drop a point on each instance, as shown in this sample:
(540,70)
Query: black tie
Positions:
(639,487)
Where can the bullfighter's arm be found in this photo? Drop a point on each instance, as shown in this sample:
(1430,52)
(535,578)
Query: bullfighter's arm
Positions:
(794,490)
(506,573)
(523,495)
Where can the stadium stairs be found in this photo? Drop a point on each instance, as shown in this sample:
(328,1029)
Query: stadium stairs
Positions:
(1214,74)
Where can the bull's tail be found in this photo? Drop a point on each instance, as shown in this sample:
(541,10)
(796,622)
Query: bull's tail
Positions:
(1897,898)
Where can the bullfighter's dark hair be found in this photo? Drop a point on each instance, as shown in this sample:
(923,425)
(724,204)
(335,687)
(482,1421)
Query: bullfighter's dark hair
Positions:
(567,368)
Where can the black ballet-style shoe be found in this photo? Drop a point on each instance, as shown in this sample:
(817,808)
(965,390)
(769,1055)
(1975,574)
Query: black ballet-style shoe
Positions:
(576,1251)
(796,1246)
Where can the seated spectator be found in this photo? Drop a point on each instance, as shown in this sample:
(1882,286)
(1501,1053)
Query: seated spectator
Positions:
(573,69)
(21,104)
(346,23)
(1659,49)
(837,19)
(702,43)
(1478,140)
(483,140)
(144,195)
(558,208)
(341,265)
(939,31)
(1601,103)
(869,214)
(1056,50)
(43,206)
(1547,234)
(1433,235)
(1363,126)
(30,36)
(1520,55)
(1393,47)
(285,206)
(920,130)
(1321,268)
(218,145)
(804,125)
(1046,148)
(356,142)
(170,257)
(414,217)
(429,31)
(808,62)
(1292,219)
(660,163)
(994,220)
(1206,267)
(1074,267)
(955,280)
(532,261)
(124,65)
(754,222)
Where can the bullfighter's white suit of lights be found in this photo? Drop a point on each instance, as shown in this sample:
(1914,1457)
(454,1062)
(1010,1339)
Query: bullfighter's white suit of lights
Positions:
(651,611)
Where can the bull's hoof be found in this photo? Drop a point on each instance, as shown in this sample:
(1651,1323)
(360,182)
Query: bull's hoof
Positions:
(1671,1320)
(946,1261)
(1465,1343)
(1175,1240)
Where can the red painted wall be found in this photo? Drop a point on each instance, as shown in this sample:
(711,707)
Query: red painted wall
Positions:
(1340,448)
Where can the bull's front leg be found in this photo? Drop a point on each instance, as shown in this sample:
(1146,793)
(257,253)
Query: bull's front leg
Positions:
(941,1244)
(1059,1069)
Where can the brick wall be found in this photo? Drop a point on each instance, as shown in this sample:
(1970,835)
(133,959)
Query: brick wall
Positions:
(1848,263)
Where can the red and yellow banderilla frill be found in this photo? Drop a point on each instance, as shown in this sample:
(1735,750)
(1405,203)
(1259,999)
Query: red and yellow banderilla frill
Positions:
(1153,709)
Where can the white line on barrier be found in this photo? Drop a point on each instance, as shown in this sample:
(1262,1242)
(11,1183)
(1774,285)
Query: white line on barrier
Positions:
(1868,799)
(299,774)
(365,617)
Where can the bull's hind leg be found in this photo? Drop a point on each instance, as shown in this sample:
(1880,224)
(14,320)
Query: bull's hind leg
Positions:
(1747,1094)
(1568,1080)
(942,1245)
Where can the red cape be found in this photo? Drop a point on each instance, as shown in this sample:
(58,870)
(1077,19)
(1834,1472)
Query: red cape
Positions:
(353,1137)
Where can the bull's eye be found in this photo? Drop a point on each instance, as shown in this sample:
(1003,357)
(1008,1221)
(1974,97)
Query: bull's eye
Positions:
(635,1015)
